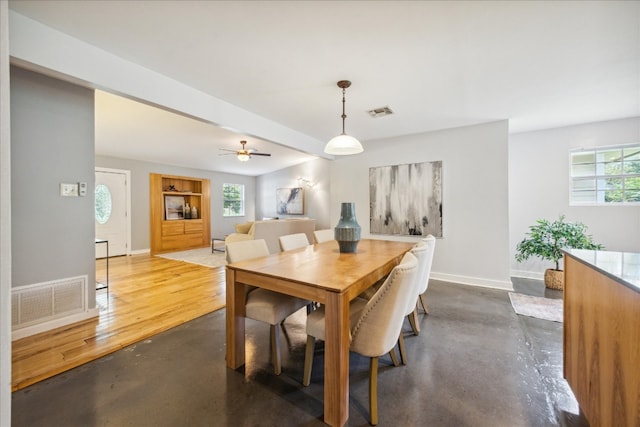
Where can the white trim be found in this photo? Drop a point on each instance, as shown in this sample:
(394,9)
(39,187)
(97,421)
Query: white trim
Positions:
(473,281)
(127,174)
(141,251)
(56,323)
(527,274)
(5,221)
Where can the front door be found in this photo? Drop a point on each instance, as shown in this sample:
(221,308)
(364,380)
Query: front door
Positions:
(112,219)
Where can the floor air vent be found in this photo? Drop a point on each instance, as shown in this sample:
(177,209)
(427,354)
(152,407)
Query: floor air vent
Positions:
(44,302)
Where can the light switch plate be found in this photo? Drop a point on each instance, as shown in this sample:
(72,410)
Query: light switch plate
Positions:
(68,190)
(82,187)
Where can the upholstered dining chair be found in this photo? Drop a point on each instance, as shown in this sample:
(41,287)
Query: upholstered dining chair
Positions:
(290,242)
(261,304)
(375,324)
(324,235)
(431,245)
(293,241)
(420,251)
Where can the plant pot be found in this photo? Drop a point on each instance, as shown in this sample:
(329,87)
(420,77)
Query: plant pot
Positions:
(554,279)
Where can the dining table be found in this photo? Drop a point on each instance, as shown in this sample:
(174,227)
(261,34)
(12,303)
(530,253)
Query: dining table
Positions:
(319,273)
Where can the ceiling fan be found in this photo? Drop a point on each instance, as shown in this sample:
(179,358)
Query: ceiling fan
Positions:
(244,154)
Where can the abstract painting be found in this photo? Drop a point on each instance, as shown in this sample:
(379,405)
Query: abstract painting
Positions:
(289,201)
(406,199)
(174,207)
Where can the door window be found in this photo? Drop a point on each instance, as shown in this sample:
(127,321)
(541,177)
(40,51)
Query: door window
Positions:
(103,203)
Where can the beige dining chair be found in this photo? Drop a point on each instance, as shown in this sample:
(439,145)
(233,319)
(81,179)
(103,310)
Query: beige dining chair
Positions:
(374,324)
(431,244)
(293,241)
(324,235)
(420,251)
(423,251)
(290,242)
(261,304)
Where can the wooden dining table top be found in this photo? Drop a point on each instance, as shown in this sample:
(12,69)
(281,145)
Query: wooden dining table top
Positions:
(324,268)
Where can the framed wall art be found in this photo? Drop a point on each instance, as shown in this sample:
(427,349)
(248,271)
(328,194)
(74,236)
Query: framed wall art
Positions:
(406,199)
(174,207)
(290,201)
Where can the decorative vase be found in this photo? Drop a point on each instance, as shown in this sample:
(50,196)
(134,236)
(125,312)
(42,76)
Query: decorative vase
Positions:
(347,231)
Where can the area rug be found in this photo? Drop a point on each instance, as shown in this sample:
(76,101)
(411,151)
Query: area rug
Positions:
(538,307)
(200,256)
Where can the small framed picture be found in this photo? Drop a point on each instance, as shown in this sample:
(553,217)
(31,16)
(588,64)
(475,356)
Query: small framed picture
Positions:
(174,207)
(289,201)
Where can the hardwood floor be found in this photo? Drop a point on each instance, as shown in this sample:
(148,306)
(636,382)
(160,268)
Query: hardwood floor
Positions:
(147,295)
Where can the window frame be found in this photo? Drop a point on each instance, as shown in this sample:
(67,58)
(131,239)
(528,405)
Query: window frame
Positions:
(600,180)
(227,210)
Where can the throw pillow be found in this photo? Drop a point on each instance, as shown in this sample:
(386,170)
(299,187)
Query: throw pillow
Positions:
(244,227)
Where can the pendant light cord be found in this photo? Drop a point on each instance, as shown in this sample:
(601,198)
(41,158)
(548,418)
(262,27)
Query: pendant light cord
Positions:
(344,116)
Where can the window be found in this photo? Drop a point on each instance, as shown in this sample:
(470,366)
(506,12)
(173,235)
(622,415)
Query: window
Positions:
(103,203)
(233,203)
(603,176)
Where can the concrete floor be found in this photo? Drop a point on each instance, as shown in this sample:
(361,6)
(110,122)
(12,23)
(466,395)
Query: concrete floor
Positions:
(476,363)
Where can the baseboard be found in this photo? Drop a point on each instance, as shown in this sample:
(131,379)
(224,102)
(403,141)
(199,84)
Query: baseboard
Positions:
(527,274)
(141,251)
(473,281)
(57,323)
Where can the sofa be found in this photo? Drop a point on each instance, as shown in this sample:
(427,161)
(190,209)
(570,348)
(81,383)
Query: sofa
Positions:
(271,230)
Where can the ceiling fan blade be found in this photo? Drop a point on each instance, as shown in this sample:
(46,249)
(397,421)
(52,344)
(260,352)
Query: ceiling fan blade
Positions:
(260,154)
(227,154)
(229,151)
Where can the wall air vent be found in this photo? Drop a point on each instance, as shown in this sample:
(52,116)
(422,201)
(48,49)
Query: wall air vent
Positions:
(380,112)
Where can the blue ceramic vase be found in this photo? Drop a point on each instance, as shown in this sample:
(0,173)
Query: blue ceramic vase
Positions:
(347,232)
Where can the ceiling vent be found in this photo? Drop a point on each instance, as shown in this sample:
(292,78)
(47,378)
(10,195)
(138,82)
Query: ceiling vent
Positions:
(380,112)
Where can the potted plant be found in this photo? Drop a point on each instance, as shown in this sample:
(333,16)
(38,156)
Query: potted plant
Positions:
(547,239)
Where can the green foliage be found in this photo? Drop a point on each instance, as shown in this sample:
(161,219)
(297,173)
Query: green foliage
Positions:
(546,240)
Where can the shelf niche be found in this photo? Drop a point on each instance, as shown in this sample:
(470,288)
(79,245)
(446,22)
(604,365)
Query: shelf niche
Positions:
(170,230)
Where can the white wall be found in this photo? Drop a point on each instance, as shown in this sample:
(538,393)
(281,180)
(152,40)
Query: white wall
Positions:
(316,194)
(475,245)
(539,188)
(140,216)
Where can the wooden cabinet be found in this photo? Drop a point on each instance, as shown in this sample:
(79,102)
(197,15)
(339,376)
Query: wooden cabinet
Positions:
(171,229)
(601,335)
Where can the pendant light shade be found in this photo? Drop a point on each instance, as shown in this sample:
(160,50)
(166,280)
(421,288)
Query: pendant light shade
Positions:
(343,144)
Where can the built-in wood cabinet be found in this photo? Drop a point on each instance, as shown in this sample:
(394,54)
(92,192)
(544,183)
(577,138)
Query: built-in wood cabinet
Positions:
(171,229)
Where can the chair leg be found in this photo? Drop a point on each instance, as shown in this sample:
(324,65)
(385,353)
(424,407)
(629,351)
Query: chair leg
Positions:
(413,321)
(373,390)
(308,360)
(423,302)
(403,351)
(394,358)
(275,348)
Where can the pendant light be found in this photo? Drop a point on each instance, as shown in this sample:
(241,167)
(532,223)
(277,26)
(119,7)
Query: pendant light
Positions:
(343,144)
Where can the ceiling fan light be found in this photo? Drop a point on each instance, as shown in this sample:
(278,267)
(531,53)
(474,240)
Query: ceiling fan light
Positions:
(343,145)
(243,157)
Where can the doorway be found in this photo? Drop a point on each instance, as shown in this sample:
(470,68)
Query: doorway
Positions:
(113,204)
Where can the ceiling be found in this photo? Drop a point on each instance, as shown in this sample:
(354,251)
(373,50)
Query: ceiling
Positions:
(437,65)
